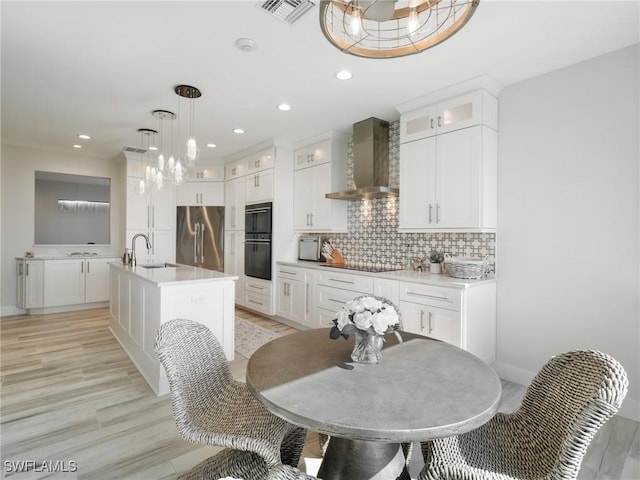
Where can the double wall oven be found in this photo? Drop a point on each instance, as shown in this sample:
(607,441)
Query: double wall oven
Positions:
(257,242)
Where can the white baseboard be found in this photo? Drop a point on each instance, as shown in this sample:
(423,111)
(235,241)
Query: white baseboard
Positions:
(630,406)
(9,310)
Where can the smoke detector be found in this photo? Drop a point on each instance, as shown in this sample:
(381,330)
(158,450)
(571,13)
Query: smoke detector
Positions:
(286,10)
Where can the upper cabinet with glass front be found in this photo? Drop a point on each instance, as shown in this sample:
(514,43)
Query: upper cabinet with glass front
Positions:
(460,112)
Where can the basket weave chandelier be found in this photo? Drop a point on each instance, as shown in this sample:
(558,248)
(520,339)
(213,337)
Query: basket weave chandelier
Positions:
(392,28)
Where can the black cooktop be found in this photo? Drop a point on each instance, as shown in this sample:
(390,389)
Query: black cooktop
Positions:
(361,268)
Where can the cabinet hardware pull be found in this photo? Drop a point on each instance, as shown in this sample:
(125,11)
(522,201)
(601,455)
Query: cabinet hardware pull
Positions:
(439,121)
(437,213)
(306,299)
(88,266)
(233,171)
(289,273)
(341,281)
(254,286)
(20,270)
(202,243)
(430,210)
(27,269)
(431,123)
(437,297)
(430,322)
(421,320)
(311,219)
(257,303)
(148,216)
(153,216)
(195,244)
(81,267)
(334,300)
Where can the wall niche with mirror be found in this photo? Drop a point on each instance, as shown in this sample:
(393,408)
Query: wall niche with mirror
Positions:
(71,209)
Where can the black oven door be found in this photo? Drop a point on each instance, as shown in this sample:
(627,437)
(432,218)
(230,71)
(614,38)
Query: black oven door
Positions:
(257,218)
(257,256)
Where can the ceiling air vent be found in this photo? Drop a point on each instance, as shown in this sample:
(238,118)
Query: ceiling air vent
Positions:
(134,150)
(286,10)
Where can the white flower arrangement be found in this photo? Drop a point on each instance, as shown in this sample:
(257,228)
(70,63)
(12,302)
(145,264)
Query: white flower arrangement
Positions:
(371,314)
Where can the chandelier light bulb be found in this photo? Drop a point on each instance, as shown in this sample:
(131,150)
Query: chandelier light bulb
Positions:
(355,23)
(413,23)
(161,162)
(192,151)
(147,173)
(178,173)
(171,164)
(159,181)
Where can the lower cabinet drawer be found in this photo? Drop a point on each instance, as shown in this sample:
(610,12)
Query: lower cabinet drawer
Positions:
(442,297)
(259,303)
(333,299)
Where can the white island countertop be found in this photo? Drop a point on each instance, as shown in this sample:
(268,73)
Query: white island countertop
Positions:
(180,274)
(439,279)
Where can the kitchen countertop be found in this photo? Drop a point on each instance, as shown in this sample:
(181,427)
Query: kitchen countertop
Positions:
(169,276)
(67,256)
(440,279)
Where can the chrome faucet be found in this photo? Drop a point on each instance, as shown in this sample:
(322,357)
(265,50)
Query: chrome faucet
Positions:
(132,259)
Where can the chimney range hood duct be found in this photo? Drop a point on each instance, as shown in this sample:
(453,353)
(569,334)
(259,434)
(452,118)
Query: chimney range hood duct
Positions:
(370,162)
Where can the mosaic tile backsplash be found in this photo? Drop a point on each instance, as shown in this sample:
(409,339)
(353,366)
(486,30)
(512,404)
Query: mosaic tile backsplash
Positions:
(372,237)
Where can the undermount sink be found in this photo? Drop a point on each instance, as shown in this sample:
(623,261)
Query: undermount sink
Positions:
(158,265)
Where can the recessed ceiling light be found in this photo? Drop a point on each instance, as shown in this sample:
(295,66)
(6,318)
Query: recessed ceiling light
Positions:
(285,107)
(211,145)
(246,44)
(77,146)
(238,131)
(343,75)
(84,136)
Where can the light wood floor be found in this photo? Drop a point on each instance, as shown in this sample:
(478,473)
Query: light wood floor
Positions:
(71,394)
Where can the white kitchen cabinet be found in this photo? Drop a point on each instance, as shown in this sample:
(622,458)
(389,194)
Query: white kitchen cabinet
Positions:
(207,173)
(334,289)
(474,108)
(386,288)
(29,283)
(162,246)
(200,193)
(259,186)
(463,317)
(76,281)
(320,168)
(153,210)
(258,295)
(96,279)
(449,181)
(234,204)
(234,261)
(294,287)
(235,169)
(64,282)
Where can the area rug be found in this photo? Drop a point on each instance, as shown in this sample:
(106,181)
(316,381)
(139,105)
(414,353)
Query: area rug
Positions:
(250,337)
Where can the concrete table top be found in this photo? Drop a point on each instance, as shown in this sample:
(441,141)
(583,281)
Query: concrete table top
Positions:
(422,389)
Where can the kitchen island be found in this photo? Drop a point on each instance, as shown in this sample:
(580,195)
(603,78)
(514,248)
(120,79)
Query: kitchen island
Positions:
(144,298)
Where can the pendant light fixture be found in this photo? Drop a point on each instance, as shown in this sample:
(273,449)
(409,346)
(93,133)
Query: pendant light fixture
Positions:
(192,152)
(149,173)
(392,28)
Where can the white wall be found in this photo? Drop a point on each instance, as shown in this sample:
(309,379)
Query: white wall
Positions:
(17,176)
(568,241)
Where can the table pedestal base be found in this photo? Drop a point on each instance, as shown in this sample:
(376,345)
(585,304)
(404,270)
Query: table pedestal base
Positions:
(363,460)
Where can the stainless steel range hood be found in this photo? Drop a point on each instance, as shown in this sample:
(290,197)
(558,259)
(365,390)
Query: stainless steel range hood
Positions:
(370,162)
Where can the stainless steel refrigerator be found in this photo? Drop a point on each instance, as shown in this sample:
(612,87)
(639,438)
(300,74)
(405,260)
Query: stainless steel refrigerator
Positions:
(200,237)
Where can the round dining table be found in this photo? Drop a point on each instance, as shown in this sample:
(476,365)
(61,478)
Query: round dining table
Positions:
(422,389)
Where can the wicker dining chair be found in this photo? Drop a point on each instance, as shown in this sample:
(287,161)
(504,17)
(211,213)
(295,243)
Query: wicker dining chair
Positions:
(242,465)
(212,408)
(569,399)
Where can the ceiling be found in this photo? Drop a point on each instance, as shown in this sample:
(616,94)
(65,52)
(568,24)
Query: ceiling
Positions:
(100,68)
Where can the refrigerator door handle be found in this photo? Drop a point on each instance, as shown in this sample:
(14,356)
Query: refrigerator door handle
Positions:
(202,243)
(195,244)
